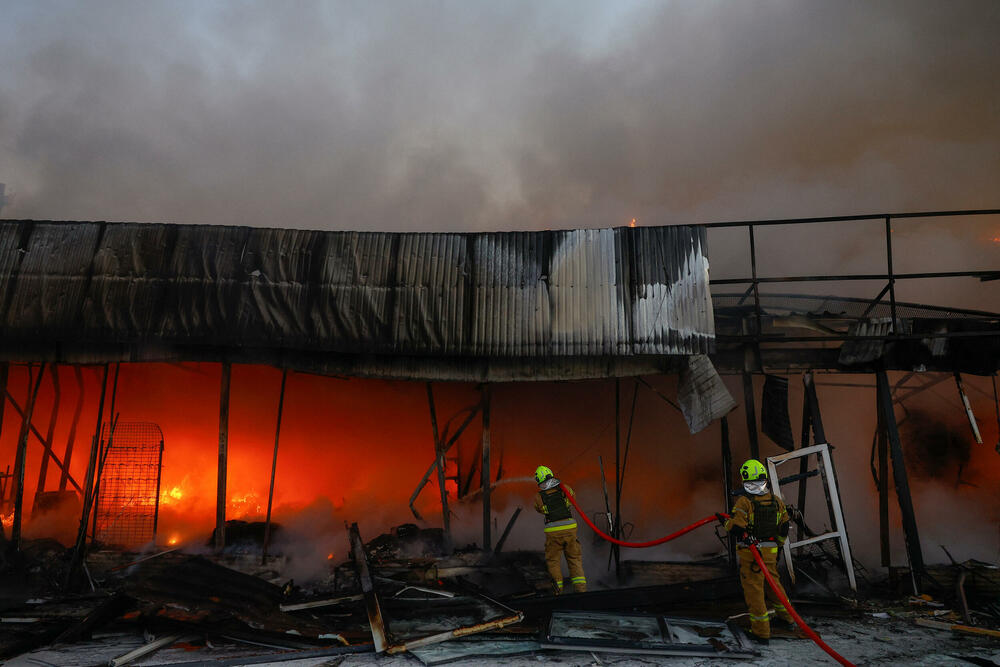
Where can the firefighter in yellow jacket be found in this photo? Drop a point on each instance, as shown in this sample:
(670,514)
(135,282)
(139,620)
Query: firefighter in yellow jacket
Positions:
(560,531)
(760,515)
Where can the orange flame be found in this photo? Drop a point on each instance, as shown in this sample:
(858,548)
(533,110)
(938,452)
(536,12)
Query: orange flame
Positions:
(632,224)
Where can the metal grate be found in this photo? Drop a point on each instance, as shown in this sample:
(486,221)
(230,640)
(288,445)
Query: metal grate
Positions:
(128,500)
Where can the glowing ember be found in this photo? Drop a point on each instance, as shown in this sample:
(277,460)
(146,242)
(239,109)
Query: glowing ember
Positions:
(245,505)
(632,224)
(329,556)
(7,520)
(173,540)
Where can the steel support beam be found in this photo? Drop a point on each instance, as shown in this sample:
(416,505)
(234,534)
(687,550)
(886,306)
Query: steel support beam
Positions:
(883,491)
(751,415)
(439,453)
(71,438)
(274,467)
(727,486)
(220,500)
(88,486)
(910,533)
(43,469)
(484,472)
(21,457)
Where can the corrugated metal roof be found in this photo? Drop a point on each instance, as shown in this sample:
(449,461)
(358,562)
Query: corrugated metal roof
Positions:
(576,293)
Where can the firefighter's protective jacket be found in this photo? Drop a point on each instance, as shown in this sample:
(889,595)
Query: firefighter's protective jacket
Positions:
(553,504)
(764,517)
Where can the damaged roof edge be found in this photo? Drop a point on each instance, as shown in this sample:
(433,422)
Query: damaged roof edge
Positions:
(539,296)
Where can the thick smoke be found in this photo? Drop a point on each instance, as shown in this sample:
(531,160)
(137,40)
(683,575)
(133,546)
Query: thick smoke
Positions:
(517,115)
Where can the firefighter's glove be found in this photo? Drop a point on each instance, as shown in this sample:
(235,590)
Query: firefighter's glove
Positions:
(737,531)
(721,517)
(783,529)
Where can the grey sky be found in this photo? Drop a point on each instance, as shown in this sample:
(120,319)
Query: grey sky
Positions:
(483,115)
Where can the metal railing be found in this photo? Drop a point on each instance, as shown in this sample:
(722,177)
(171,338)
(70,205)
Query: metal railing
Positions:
(890,276)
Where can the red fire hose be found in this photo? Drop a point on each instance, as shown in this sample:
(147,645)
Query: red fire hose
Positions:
(791,610)
(753,549)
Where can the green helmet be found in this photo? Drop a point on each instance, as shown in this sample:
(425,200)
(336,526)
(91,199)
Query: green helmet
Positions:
(543,473)
(753,470)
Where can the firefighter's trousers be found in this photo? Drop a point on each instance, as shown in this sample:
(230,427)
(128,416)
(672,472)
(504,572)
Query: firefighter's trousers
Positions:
(562,542)
(755,588)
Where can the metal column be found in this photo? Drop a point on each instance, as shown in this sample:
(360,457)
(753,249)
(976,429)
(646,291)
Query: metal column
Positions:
(910,534)
(484,472)
(274,467)
(20,459)
(727,482)
(220,501)
(439,452)
(751,413)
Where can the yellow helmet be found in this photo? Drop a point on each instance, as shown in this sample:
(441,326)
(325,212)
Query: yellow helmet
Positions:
(543,473)
(753,470)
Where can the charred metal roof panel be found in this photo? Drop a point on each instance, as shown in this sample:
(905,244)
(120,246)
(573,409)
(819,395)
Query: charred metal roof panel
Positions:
(574,293)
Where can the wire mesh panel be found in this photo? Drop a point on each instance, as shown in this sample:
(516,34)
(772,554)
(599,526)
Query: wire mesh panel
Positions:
(128,499)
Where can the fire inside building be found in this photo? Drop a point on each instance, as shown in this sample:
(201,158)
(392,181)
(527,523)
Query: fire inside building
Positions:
(303,444)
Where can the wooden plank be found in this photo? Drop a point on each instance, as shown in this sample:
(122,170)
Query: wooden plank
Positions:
(372,607)
(954,627)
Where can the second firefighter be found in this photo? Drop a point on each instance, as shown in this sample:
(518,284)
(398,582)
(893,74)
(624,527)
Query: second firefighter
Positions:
(759,516)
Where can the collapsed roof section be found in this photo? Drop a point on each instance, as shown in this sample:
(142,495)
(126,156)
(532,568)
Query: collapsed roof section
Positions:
(491,306)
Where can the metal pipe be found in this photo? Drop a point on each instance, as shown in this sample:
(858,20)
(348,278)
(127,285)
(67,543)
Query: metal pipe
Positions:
(856,276)
(846,337)
(847,218)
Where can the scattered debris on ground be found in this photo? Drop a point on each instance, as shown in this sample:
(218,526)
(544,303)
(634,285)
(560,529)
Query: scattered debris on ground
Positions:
(403,597)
